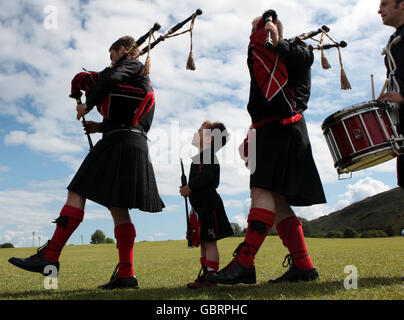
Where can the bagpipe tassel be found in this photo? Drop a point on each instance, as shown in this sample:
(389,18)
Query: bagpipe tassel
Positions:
(324,61)
(345,85)
(191,62)
(146,67)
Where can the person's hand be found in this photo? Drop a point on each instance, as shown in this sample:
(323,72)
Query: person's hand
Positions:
(91,127)
(391,97)
(81,111)
(273,30)
(185,191)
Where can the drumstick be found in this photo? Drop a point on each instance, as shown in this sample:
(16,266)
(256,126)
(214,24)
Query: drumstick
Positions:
(373,87)
(386,83)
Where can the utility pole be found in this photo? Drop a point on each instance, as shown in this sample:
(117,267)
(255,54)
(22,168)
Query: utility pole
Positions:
(33,238)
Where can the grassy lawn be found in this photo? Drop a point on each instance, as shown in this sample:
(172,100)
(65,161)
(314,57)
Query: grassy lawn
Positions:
(164,268)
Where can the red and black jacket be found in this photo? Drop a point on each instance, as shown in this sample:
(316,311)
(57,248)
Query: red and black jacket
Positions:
(294,76)
(123,96)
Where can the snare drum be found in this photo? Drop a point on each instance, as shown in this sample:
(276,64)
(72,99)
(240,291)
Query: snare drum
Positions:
(361,136)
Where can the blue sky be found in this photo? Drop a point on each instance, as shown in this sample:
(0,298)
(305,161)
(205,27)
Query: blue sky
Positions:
(45,43)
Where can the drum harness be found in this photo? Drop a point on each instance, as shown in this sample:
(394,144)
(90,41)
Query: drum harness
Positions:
(391,81)
(392,85)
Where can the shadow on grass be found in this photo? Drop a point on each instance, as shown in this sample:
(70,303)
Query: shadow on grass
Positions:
(261,291)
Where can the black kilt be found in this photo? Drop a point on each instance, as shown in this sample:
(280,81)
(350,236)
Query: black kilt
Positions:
(118,173)
(214,222)
(285,164)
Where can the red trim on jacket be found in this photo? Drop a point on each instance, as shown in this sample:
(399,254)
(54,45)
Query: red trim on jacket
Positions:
(140,113)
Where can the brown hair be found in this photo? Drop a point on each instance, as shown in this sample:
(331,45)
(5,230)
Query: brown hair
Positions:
(218,131)
(128,42)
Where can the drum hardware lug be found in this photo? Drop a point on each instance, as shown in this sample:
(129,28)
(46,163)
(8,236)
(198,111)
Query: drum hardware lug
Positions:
(397,146)
(383,105)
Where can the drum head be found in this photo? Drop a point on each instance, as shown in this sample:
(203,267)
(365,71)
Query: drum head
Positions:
(351,110)
(366,161)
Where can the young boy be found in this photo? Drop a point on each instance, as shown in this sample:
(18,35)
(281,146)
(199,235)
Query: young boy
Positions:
(202,184)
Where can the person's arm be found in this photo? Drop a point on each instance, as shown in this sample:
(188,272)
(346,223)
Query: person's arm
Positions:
(92,127)
(398,96)
(392,97)
(109,78)
(294,53)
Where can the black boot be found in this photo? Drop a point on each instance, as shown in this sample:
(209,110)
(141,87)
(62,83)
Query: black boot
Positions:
(36,263)
(234,272)
(116,282)
(295,274)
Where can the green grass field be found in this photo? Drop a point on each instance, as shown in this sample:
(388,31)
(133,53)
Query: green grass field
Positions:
(164,268)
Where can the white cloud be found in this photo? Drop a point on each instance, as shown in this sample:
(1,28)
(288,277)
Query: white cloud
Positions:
(243,204)
(361,189)
(366,187)
(158,236)
(240,219)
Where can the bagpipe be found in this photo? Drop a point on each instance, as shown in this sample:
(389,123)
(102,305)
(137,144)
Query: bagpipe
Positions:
(271,15)
(84,81)
(273,77)
(323,32)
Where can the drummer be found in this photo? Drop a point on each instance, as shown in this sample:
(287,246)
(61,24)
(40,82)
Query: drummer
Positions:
(392,14)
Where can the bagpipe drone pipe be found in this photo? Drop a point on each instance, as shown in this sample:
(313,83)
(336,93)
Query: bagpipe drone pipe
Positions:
(271,16)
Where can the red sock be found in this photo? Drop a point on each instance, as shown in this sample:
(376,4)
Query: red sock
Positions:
(260,222)
(125,236)
(203,263)
(291,232)
(212,266)
(68,221)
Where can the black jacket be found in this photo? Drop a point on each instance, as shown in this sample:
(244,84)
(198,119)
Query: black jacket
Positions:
(397,52)
(204,178)
(298,59)
(119,93)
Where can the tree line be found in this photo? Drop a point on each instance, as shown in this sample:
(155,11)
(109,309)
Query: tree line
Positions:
(347,232)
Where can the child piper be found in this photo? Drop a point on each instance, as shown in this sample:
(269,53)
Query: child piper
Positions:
(203,181)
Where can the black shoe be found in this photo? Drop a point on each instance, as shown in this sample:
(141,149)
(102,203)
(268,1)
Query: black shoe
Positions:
(201,281)
(295,274)
(36,263)
(116,282)
(234,273)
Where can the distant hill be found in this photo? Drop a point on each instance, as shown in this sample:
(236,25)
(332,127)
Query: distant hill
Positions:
(384,211)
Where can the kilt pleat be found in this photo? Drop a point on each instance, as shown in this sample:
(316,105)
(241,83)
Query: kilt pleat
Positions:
(118,173)
(285,164)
